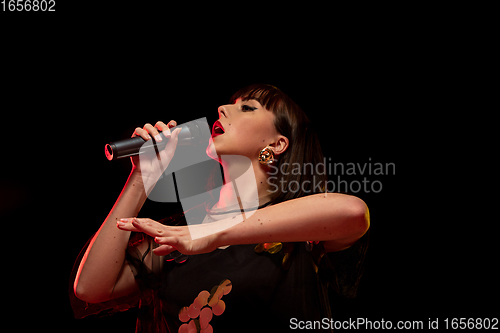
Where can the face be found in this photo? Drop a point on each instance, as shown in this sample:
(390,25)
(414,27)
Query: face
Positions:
(243,128)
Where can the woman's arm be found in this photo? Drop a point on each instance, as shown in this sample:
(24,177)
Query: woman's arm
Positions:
(336,219)
(103,273)
(103,264)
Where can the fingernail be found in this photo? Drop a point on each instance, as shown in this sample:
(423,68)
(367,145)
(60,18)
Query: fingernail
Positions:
(167,132)
(158,137)
(135,221)
(121,224)
(124,220)
(148,136)
(158,239)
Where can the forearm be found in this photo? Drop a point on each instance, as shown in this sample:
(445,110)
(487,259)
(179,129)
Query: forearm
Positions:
(331,218)
(104,258)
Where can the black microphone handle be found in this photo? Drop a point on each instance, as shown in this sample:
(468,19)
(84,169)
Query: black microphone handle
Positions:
(188,135)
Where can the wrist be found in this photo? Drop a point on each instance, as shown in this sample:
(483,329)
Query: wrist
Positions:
(142,181)
(225,236)
(218,240)
(136,176)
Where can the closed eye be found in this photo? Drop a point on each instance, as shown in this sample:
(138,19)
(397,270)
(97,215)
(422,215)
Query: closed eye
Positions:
(246,108)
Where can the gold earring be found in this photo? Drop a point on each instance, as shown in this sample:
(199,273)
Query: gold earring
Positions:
(266,156)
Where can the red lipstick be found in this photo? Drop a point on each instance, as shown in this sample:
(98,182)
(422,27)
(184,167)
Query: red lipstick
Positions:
(217,129)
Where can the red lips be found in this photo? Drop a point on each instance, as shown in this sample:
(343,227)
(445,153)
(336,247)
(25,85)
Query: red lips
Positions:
(217,129)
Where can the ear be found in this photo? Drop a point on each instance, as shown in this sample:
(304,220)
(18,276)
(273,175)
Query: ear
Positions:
(280,145)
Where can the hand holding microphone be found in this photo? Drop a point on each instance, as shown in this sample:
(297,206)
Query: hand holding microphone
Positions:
(151,148)
(149,137)
(192,133)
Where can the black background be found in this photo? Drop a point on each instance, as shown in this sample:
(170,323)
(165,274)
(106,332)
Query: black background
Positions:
(73,81)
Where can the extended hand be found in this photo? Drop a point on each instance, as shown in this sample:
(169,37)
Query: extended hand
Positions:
(170,238)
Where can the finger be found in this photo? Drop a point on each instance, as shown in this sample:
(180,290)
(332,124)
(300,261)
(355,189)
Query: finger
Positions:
(175,134)
(172,123)
(162,127)
(163,250)
(168,244)
(150,227)
(153,132)
(126,225)
(172,241)
(169,150)
(142,133)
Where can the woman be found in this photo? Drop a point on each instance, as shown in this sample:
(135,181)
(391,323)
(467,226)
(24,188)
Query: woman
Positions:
(269,272)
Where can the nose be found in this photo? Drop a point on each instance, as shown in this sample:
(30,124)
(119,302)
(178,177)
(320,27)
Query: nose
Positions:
(222,112)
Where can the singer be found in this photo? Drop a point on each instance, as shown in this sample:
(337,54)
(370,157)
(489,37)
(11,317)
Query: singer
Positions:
(278,263)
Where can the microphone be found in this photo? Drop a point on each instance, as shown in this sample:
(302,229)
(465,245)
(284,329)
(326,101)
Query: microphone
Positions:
(192,133)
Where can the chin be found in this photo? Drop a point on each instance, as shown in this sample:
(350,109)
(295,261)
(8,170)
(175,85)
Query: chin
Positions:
(211,152)
(214,150)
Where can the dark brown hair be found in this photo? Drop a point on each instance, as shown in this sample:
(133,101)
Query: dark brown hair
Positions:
(304,146)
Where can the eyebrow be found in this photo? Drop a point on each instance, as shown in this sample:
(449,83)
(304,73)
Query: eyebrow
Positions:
(250,99)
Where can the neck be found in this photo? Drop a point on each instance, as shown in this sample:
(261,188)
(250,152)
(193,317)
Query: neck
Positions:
(245,183)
